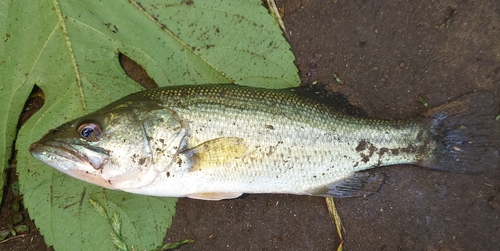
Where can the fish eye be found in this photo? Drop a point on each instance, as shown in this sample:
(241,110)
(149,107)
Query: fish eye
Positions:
(89,130)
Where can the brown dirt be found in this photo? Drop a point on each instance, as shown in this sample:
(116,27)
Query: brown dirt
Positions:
(31,240)
(388,54)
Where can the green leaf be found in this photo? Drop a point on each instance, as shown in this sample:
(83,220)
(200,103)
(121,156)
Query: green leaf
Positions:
(15,188)
(70,49)
(8,124)
(4,13)
(4,234)
(21,229)
(17,218)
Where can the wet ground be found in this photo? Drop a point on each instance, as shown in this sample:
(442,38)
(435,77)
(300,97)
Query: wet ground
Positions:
(385,57)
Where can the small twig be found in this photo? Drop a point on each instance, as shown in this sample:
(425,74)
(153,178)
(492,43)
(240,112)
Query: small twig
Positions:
(332,209)
(13,237)
(175,245)
(276,14)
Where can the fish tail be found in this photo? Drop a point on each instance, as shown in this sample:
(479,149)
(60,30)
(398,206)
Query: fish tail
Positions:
(462,130)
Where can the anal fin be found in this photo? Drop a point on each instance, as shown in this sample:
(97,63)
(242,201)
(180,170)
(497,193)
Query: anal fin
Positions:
(357,185)
(214,196)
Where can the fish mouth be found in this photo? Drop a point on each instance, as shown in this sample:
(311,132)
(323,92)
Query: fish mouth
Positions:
(64,156)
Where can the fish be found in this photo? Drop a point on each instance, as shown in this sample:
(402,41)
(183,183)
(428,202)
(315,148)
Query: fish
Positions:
(214,142)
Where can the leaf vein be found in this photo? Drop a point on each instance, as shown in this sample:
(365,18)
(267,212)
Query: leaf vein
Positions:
(180,41)
(60,17)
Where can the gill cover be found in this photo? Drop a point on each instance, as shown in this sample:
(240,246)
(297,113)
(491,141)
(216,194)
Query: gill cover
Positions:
(115,147)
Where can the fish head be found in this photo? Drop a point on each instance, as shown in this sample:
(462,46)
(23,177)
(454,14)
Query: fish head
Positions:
(112,147)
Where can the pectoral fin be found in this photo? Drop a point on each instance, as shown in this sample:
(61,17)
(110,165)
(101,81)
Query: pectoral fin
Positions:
(356,185)
(216,152)
(214,196)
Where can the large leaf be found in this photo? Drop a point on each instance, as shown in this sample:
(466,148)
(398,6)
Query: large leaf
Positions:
(6,137)
(69,49)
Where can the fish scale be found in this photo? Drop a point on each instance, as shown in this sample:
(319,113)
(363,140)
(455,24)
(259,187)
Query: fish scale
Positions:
(311,137)
(220,141)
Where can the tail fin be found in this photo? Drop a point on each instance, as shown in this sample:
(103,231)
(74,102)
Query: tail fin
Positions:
(462,129)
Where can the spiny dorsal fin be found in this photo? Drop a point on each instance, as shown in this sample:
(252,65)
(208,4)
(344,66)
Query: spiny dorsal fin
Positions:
(216,152)
(356,185)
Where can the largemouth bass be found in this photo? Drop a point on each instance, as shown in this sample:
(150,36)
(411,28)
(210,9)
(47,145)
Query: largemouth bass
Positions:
(219,141)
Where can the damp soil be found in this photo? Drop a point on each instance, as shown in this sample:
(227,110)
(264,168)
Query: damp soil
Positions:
(388,58)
